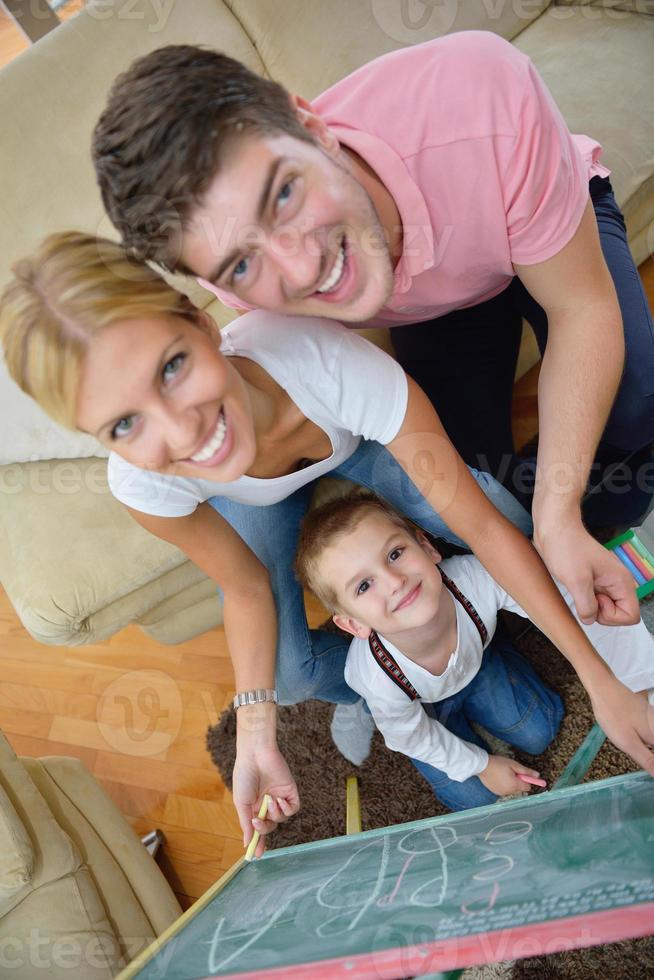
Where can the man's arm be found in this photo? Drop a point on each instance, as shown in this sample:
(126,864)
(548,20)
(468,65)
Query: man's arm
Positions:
(513,562)
(579,377)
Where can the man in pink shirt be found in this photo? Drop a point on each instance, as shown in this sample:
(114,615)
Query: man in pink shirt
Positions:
(436,190)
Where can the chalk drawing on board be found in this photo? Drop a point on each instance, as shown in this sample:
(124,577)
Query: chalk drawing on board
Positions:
(505,833)
(465,881)
(325,897)
(432,892)
(504,864)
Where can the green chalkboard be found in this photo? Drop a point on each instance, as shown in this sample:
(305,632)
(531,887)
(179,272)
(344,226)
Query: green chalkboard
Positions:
(512,870)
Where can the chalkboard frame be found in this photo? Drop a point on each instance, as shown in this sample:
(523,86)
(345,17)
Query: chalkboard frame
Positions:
(532,939)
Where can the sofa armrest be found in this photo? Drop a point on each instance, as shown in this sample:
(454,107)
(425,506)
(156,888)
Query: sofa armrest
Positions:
(16,853)
(138,900)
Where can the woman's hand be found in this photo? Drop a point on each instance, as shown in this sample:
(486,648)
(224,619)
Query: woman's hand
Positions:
(627,719)
(257,772)
(602,588)
(500,776)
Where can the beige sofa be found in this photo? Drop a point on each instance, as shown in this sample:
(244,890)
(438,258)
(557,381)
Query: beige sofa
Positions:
(80,896)
(73,563)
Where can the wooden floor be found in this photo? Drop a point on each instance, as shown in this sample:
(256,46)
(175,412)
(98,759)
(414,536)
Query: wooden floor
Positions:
(136,712)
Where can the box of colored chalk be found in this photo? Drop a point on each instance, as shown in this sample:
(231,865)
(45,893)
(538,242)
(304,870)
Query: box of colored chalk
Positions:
(635,549)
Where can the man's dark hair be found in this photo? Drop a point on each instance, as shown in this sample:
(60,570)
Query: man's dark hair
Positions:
(158,143)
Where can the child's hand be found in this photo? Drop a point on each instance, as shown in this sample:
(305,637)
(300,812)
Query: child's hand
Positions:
(500,777)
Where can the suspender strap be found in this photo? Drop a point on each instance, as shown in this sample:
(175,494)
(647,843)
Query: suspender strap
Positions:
(389,664)
(467,605)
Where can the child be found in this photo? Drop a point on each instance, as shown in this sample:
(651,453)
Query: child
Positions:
(423,654)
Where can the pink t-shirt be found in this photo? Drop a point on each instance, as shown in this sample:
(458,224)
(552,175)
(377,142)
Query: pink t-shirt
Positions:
(484,172)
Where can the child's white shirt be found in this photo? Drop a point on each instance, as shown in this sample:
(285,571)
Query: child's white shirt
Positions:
(405,725)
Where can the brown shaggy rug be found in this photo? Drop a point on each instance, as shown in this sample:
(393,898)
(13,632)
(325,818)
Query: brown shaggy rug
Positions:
(393,792)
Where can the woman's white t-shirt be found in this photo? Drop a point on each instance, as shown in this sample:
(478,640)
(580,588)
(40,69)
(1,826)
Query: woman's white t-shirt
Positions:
(344,384)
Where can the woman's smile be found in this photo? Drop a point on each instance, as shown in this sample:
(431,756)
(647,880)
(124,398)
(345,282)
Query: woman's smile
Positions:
(216,445)
(174,392)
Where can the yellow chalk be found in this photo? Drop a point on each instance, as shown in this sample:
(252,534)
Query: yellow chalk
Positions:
(352,806)
(263,810)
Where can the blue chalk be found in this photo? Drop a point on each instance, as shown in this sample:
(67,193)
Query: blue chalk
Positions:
(627,562)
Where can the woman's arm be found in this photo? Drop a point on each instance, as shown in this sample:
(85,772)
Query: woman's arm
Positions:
(250,621)
(426,454)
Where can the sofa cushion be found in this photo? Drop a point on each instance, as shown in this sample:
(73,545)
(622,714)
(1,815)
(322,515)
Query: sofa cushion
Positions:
(28,434)
(288,35)
(599,70)
(54,854)
(59,932)
(16,854)
(637,6)
(96,897)
(74,563)
(191,611)
(139,901)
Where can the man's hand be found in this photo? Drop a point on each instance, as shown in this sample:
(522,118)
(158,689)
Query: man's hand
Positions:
(627,719)
(500,777)
(257,773)
(602,588)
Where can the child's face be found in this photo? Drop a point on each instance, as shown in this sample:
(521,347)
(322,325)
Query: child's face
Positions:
(384,578)
(157,391)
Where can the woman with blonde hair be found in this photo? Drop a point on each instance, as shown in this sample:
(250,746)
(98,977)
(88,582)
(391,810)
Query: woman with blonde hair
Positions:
(215,443)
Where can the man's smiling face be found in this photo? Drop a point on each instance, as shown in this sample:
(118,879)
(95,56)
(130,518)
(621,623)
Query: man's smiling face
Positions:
(285,226)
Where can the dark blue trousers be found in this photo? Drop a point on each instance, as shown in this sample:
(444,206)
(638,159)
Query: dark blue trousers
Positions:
(465,361)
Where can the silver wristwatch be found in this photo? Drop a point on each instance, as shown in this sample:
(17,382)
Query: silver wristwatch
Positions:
(257,696)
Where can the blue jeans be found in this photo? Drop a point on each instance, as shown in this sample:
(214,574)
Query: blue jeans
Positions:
(506,697)
(310,663)
(465,362)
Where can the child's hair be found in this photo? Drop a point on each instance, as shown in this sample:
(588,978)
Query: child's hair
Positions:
(60,297)
(325,526)
(158,144)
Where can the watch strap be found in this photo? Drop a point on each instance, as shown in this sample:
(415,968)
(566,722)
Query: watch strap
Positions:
(257,696)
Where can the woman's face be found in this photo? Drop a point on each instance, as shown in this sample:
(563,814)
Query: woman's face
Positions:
(157,391)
